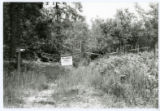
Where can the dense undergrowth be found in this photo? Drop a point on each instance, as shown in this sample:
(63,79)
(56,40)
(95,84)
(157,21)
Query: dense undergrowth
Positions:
(129,80)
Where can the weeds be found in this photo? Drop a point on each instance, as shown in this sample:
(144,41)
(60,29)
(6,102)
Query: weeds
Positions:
(131,78)
(36,77)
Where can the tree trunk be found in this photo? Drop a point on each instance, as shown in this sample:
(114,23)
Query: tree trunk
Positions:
(12,32)
(58,30)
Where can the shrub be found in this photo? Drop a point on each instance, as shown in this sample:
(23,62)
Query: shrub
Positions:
(132,78)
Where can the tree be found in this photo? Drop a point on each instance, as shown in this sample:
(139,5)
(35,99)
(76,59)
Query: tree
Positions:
(77,37)
(111,34)
(117,32)
(124,20)
(57,17)
(97,42)
(150,19)
(19,24)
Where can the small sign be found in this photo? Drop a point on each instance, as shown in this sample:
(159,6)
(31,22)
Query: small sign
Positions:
(65,61)
(20,50)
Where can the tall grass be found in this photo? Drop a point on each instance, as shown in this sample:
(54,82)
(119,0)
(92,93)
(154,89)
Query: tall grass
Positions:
(131,79)
(32,77)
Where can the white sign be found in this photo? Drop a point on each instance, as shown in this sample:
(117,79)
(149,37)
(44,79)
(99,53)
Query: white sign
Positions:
(20,50)
(65,61)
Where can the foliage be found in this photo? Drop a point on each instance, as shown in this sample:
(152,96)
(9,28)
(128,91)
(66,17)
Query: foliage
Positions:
(126,31)
(150,19)
(59,28)
(134,85)
(55,21)
(48,31)
(19,23)
(36,28)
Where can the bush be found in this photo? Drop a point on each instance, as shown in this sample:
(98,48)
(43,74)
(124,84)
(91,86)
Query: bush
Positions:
(140,79)
(132,78)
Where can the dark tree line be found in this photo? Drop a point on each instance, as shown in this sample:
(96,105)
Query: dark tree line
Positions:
(20,20)
(37,29)
(61,29)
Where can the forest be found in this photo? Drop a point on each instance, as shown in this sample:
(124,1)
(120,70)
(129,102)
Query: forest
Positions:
(62,29)
(118,54)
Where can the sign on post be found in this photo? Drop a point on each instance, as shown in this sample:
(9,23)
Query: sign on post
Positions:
(19,50)
(66,61)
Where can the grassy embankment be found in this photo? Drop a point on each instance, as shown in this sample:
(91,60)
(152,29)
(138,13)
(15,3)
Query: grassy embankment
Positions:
(129,80)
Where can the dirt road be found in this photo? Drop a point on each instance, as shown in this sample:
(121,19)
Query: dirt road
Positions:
(88,98)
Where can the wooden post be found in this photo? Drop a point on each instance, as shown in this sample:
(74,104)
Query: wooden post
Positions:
(138,48)
(18,67)
(19,62)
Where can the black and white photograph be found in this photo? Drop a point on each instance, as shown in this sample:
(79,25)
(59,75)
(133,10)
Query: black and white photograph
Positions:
(63,54)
